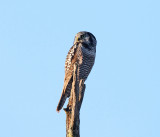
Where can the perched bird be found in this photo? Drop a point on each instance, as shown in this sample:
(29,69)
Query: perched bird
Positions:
(83,52)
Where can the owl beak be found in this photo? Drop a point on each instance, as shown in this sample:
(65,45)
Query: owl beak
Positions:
(76,39)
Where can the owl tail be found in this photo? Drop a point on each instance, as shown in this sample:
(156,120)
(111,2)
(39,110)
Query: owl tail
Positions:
(65,93)
(61,102)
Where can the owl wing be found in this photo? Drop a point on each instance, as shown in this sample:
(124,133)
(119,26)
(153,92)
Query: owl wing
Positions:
(69,66)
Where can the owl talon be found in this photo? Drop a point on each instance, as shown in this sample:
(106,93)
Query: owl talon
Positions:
(66,109)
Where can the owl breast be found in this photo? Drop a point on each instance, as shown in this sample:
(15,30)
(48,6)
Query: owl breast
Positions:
(85,57)
(86,62)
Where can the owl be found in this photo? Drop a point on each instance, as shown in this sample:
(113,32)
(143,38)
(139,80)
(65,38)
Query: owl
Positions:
(82,52)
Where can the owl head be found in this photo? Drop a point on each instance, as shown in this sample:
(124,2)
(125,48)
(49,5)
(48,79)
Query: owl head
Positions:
(85,37)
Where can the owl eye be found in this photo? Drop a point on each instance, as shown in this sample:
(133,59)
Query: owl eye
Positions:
(82,36)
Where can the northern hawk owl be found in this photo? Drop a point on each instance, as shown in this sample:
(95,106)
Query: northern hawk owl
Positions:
(83,52)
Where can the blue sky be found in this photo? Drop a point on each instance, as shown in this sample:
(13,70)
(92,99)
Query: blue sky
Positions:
(123,89)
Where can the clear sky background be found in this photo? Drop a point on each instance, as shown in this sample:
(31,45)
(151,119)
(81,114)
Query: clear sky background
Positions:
(122,97)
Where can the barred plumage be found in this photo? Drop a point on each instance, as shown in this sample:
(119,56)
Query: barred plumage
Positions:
(83,52)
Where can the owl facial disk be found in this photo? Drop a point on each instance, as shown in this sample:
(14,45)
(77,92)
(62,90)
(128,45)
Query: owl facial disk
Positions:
(85,37)
(80,37)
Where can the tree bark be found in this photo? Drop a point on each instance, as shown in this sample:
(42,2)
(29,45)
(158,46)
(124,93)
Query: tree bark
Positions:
(74,105)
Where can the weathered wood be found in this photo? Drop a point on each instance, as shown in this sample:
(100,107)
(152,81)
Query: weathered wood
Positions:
(74,105)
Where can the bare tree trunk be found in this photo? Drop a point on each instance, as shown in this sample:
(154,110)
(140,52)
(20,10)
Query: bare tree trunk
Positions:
(74,105)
